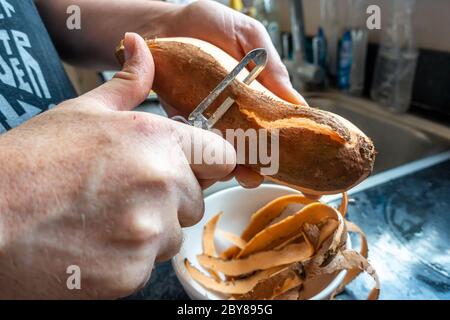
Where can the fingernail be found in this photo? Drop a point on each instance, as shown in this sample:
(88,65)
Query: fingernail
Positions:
(244,184)
(129,45)
(251,182)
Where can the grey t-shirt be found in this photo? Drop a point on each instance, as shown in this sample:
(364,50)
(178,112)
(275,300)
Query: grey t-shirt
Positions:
(32,78)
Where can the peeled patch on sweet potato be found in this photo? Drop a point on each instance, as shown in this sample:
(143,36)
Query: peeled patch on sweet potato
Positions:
(320,152)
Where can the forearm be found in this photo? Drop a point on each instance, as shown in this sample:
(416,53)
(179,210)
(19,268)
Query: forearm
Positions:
(103,24)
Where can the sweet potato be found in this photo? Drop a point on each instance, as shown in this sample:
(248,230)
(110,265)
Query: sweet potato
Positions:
(320,152)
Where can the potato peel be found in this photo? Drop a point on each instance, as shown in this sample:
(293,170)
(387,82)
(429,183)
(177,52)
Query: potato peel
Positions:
(209,247)
(274,285)
(344,205)
(264,216)
(279,260)
(353,260)
(258,261)
(228,287)
(234,239)
(354,272)
(279,232)
(230,253)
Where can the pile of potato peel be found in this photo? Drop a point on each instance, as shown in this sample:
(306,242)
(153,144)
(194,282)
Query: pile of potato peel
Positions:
(276,260)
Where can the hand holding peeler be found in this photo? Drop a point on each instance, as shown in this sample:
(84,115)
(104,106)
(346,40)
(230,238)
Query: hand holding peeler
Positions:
(197,118)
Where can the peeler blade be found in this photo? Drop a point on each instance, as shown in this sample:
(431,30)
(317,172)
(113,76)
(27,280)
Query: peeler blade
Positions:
(197,119)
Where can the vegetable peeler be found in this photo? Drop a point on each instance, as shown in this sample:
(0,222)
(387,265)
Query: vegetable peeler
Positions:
(197,119)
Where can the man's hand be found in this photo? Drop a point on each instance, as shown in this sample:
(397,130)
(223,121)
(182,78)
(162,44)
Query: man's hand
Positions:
(92,184)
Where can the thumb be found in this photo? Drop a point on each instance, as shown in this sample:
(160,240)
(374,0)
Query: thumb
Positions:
(130,86)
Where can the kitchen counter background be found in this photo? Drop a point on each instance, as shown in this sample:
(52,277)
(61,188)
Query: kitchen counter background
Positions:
(407,222)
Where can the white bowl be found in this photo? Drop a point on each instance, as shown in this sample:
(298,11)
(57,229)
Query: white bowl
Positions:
(237,205)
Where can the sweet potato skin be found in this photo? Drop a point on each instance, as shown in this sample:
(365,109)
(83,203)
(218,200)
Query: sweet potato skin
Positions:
(312,161)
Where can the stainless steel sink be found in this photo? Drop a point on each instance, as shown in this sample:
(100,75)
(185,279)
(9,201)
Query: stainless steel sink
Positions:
(399,139)
(406,221)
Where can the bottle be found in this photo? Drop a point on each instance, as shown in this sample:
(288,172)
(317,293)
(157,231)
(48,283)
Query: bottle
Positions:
(359,36)
(352,50)
(320,49)
(265,13)
(359,55)
(330,23)
(345,61)
(397,60)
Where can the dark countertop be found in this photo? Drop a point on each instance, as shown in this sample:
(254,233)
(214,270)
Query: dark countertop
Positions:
(407,221)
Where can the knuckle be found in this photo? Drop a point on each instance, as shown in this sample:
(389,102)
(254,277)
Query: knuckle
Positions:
(283,68)
(172,245)
(193,208)
(279,71)
(142,227)
(143,124)
(127,76)
(258,25)
(152,172)
(162,177)
(148,125)
(197,214)
(194,6)
(249,28)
